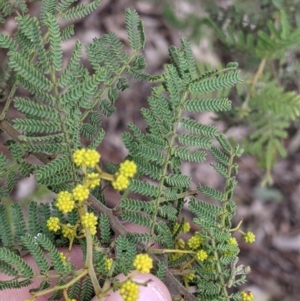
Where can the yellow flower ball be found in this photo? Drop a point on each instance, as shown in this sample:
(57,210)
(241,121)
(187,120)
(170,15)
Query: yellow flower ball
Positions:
(120,183)
(88,157)
(91,158)
(93,180)
(249,237)
(89,220)
(80,193)
(53,224)
(201,255)
(65,202)
(143,263)
(129,291)
(62,257)
(128,169)
(232,241)
(195,241)
(67,231)
(154,290)
(78,157)
(247,296)
(190,276)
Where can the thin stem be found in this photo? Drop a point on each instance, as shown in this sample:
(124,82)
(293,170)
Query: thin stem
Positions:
(78,272)
(89,261)
(187,264)
(165,165)
(60,287)
(253,83)
(89,254)
(237,227)
(9,100)
(62,122)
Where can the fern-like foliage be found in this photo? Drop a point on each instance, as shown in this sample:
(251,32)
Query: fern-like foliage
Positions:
(54,122)
(160,152)
(7,8)
(66,105)
(273,110)
(15,224)
(270,43)
(269,105)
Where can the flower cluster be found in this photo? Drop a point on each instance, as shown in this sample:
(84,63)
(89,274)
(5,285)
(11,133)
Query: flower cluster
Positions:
(86,157)
(249,237)
(120,182)
(247,296)
(232,241)
(201,255)
(108,263)
(126,171)
(93,180)
(65,202)
(80,193)
(143,263)
(195,241)
(186,227)
(129,291)
(90,158)
(67,231)
(190,276)
(89,220)
(53,224)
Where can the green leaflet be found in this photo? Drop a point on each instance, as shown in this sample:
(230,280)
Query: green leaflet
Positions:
(126,252)
(104,226)
(6,42)
(36,252)
(81,10)
(55,41)
(11,258)
(135,30)
(198,128)
(56,260)
(29,72)
(35,109)
(136,218)
(210,105)
(87,290)
(190,140)
(216,82)
(6,235)
(32,126)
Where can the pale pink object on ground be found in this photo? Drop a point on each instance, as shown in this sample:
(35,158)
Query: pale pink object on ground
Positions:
(154,291)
